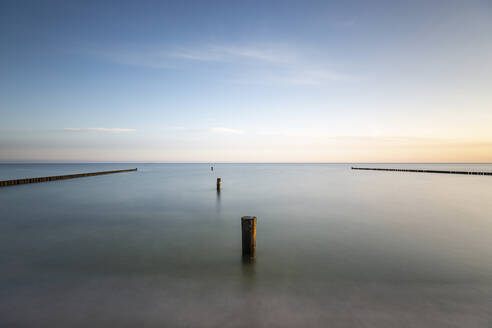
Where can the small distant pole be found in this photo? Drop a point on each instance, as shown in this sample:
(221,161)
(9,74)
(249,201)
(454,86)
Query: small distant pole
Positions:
(248,229)
(219,182)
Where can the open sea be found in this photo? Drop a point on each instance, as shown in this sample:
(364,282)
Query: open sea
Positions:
(161,248)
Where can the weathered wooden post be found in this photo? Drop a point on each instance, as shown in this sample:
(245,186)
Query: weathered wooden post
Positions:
(248,229)
(219,182)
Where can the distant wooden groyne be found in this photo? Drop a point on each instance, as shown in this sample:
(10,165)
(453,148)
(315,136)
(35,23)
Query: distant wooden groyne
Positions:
(6,183)
(423,171)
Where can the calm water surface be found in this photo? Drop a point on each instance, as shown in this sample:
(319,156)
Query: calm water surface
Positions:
(160,248)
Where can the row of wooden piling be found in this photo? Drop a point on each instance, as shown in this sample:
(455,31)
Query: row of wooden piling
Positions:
(423,171)
(14,182)
(248,231)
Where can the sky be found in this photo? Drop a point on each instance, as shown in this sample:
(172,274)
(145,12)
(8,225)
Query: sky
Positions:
(246,81)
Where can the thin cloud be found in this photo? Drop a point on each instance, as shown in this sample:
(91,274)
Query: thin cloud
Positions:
(235,54)
(246,64)
(301,77)
(346,23)
(278,55)
(167,57)
(402,141)
(226,130)
(109,130)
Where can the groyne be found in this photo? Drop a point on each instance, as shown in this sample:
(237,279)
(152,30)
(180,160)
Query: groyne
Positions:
(423,171)
(14,182)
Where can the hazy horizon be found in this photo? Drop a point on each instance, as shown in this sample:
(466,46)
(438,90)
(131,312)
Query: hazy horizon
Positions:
(213,163)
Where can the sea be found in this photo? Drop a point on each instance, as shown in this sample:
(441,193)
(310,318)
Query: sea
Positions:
(161,247)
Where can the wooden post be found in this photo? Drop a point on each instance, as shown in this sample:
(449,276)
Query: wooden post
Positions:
(248,229)
(219,182)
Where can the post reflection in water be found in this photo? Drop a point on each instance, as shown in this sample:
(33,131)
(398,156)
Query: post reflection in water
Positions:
(217,202)
(248,270)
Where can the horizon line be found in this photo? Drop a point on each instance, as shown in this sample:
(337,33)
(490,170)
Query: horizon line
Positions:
(222,162)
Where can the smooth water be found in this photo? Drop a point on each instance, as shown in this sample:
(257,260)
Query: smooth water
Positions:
(161,248)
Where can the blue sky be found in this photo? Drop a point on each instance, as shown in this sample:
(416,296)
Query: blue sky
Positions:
(282,81)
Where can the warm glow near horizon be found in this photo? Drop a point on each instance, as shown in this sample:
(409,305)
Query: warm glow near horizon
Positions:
(246,82)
